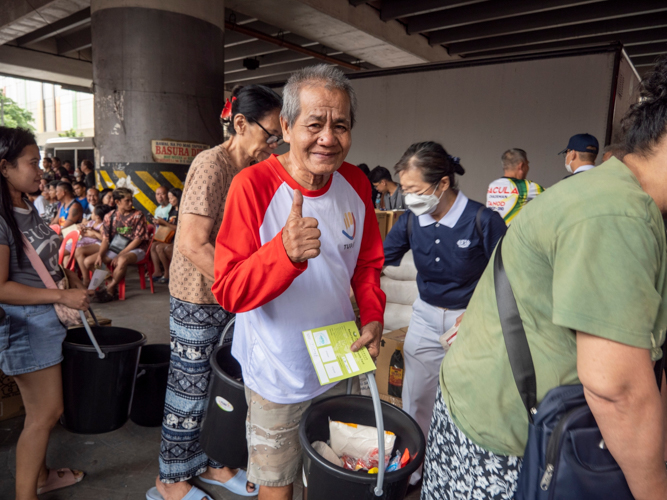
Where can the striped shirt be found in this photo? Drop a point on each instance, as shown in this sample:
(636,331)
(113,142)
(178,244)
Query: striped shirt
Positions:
(508,196)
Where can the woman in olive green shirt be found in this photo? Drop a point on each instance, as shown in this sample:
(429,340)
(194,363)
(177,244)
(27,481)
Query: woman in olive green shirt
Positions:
(587,263)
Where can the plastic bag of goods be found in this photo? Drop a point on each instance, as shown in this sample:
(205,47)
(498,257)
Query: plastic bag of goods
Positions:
(357,445)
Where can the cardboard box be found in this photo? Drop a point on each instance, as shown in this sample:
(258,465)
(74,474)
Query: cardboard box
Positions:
(386,219)
(390,341)
(11,404)
(382,218)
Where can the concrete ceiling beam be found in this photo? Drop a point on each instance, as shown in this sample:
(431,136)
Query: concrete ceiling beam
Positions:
(20,17)
(627,38)
(357,31)
(584,14)
(34,65)
(611,26)
(271,71)
(75,42)
(645,60)
(491,10)
(393,9)
(647,49)
(77,19)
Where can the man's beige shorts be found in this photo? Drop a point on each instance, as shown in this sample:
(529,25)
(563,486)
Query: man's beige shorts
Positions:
(272,431)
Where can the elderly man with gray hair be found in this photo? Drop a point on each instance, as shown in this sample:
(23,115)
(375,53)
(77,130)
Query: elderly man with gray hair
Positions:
(304,231)
(509,194)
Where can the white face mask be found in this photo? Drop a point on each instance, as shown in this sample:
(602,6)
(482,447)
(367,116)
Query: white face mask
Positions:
(568,166)
(421,204)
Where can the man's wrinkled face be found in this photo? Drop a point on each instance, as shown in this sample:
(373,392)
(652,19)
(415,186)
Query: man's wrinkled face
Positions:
(321,135)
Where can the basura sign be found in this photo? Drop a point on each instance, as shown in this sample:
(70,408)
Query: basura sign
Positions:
(176,152)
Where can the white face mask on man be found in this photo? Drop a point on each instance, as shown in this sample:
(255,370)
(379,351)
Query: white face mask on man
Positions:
(421,204)
(568,166)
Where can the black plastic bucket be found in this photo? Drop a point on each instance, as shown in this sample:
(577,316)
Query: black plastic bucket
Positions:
(150,385)
(223,430)
(326,481)
(97,392)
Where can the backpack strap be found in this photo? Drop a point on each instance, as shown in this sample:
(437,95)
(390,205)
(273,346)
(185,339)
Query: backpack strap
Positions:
(478,221)
(411,217)
(516,342)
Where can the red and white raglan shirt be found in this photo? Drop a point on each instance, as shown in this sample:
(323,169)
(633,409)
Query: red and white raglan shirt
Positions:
(276,299)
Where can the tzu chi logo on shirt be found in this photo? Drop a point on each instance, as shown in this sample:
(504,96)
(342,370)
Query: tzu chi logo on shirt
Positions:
(350,228)
(463,243)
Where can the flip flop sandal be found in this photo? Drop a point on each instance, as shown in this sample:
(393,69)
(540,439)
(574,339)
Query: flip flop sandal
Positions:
(156,278)
(163,281)
(194,494)
(59,478)
(236,485)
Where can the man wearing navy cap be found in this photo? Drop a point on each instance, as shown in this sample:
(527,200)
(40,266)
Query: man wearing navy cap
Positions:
(580,153)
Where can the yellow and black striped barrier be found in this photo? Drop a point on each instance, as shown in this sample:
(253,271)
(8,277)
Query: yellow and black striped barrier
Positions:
(143,179)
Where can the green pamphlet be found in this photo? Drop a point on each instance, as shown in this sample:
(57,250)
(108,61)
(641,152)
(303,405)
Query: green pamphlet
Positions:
(329,349)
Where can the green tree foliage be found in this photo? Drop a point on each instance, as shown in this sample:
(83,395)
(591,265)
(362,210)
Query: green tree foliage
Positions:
(70,133)
(14,115)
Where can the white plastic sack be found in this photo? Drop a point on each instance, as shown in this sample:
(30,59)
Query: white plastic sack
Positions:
(397,316)
(404,272)
(399,292)
(358,441)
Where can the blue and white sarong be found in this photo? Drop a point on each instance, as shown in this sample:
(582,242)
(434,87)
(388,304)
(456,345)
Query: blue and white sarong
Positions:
(195,331)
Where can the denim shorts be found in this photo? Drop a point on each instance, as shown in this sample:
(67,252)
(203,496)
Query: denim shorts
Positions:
(31,339)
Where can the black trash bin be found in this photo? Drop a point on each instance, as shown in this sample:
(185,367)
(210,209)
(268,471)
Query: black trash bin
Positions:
(326,481)
(150,385)
(97,392)
(223,430)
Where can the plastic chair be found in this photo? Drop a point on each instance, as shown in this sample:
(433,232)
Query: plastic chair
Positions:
(72,236)
(143,266)
(56,228)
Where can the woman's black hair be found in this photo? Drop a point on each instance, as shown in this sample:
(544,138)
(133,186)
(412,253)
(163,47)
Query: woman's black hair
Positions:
(12,143)
(433,162)
(646,122)
(252,101)
(177,193)
(101,210)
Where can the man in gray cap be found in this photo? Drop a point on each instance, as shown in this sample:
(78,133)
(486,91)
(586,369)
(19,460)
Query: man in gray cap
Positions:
(580,153)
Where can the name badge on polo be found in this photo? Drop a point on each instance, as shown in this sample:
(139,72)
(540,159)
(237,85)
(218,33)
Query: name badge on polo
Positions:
(463,243)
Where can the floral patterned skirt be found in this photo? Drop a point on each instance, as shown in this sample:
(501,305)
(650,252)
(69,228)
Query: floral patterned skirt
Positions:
(195,332)
(455,468)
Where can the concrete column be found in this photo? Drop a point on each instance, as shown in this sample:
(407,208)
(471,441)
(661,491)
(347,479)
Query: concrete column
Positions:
(158,73)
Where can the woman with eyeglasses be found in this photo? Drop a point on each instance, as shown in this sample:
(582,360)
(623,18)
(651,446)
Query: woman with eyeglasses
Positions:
(196,319)
(452,239)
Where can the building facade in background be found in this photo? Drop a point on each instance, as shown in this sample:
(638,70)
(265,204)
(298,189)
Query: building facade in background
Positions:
(55,110)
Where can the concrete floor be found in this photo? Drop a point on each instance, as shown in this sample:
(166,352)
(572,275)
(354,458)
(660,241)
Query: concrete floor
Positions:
(123,464)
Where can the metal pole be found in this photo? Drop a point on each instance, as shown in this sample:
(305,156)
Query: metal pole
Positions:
(2,106)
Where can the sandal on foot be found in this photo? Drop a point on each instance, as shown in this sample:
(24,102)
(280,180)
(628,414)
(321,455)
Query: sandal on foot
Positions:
(163,280)
(236,485)
(194,494)
(60,478)
(156,278)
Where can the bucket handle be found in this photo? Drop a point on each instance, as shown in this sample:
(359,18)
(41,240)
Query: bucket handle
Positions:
(226,330)
(379,423)
(100,354)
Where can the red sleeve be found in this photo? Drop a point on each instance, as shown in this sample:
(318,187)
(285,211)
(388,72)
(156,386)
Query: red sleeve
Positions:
(366,279)
(247,273)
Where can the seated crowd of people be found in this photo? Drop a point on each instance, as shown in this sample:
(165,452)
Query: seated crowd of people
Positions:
(69,200)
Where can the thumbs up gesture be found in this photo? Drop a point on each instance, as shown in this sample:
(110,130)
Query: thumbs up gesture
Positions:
(301,238)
